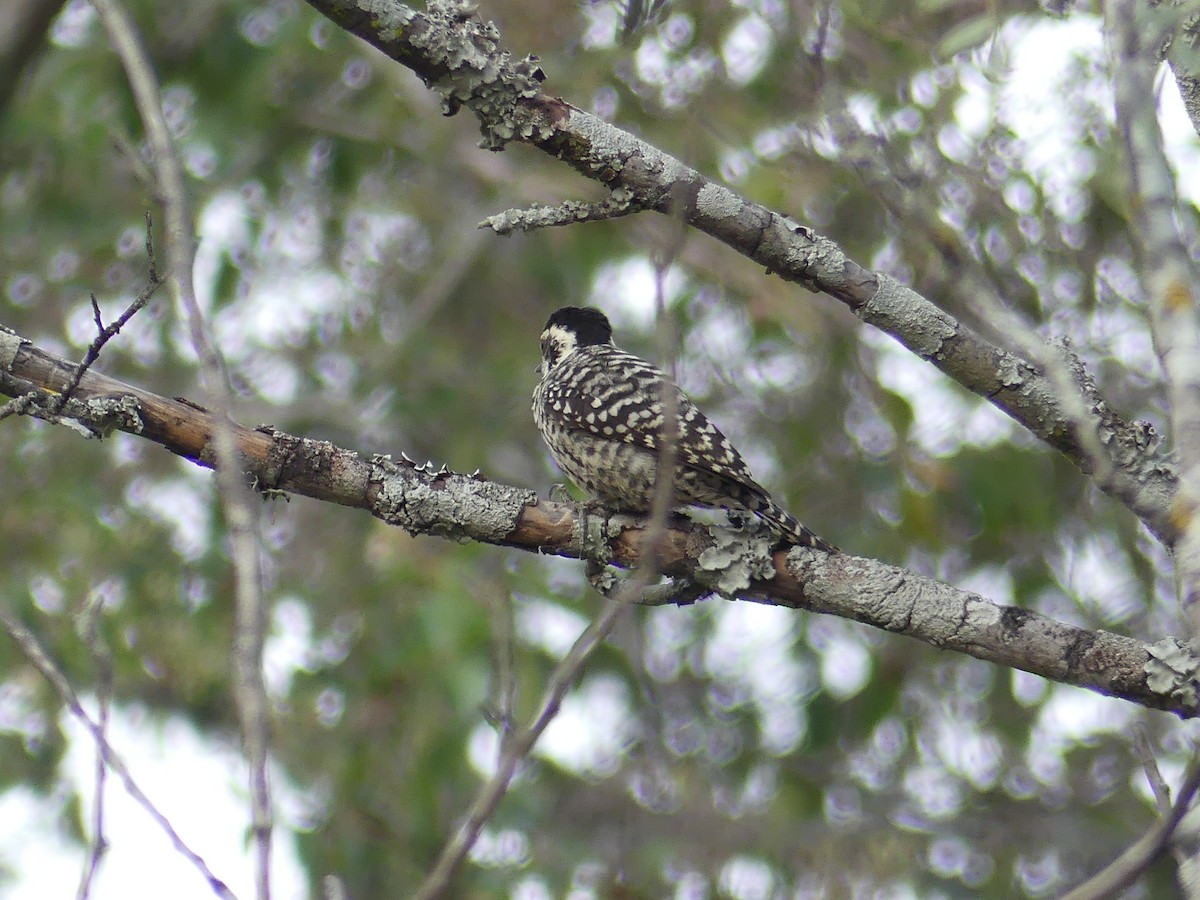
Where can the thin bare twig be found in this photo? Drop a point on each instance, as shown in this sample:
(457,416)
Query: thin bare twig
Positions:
(37,402)
(1145,756)
(503,713)
(40,660)
(107,333)
(663,500)
(250,694)
(90,622)
(519,746)
(621,595)
(1158,785)
(1127,867)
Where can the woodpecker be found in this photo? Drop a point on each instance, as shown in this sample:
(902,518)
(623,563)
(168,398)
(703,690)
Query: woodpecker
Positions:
(600,411)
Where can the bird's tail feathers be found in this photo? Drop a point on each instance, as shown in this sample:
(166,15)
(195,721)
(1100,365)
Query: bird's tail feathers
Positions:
(791,530)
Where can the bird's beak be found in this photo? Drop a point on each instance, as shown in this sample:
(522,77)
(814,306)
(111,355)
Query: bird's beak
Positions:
(537,370)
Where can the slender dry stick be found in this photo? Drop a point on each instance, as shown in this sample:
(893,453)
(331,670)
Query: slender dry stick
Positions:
(1158,785)
(40,660)
(504,640)
(668,451)
(519,746)
(26,402)
(1145,756)
(1138,857)
(250,694)
(91,631)
(1167,273)
(104,333)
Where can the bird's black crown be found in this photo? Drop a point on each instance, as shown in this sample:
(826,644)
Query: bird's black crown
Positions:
(589,325)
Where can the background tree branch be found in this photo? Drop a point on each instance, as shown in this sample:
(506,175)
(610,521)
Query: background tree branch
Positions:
(1167,272)
(250,694)
(45,665)
(23,27)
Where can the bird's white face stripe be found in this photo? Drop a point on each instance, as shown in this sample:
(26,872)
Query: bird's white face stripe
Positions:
(557,344)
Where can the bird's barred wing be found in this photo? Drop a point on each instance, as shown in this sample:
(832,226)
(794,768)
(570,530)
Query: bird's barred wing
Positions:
(622,399)
(616,398)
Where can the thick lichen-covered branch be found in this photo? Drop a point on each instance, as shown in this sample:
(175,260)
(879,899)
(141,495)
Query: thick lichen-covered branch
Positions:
(459,55)
(424,499)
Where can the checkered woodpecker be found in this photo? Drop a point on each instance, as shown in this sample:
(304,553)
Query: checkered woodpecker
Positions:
(600,411)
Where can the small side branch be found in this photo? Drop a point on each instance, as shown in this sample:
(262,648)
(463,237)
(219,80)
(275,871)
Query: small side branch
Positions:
(619,203)
(105,333)
(1128,867)
(518,747)
(50,407)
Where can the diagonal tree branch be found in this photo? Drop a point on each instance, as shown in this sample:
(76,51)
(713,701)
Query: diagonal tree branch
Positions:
(250,693)
(1167,273)
(423,500)
(1138,856)
(458,55)
(90,620)
(518,747)
(23,27)
(49,669)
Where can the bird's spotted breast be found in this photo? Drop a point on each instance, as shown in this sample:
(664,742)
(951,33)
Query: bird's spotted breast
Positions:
(600,412)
